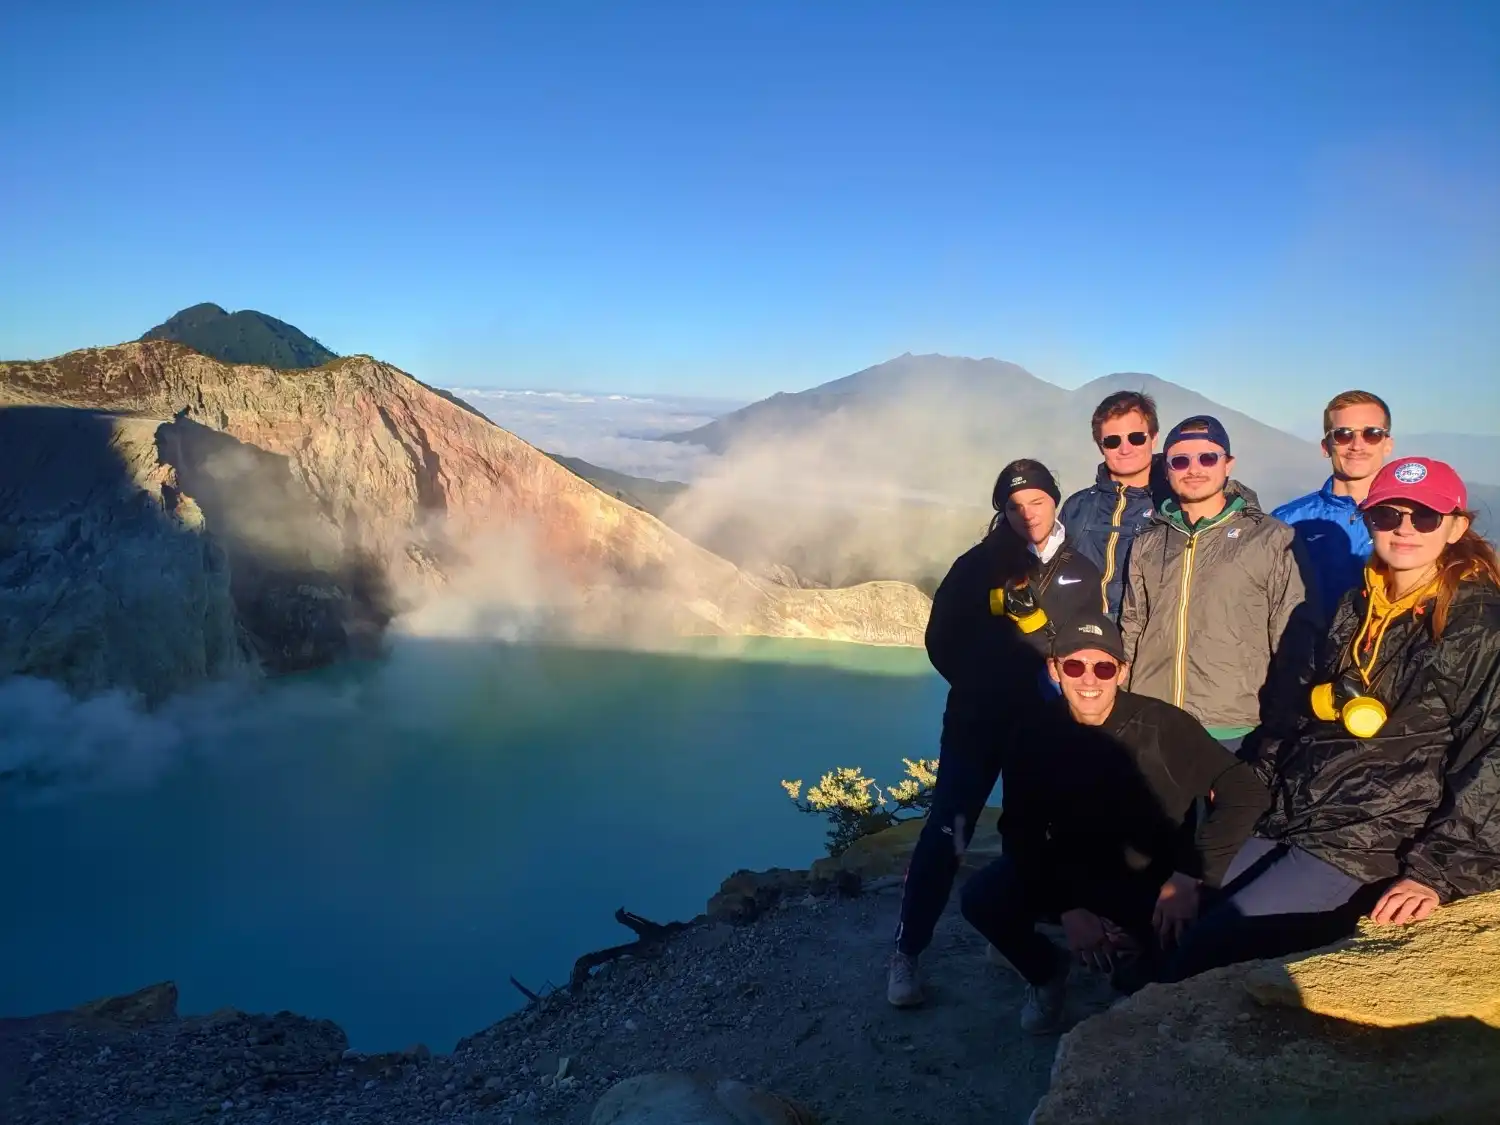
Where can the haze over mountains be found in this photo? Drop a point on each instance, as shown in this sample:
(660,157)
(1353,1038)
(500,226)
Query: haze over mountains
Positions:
(888,472)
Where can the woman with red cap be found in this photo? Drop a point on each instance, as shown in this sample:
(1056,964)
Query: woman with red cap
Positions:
(1385,781)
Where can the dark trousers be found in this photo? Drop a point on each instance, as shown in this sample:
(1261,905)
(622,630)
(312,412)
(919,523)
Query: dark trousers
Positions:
(1276,900)
(968,767)
(1005,901)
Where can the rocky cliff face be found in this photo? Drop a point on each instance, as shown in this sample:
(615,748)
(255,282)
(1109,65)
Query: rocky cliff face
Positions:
(343,493)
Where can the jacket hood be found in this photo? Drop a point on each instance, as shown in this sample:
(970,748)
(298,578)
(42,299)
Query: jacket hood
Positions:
(1240,500)
(1157,488)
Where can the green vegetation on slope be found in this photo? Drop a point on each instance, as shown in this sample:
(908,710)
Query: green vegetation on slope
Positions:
(242,337)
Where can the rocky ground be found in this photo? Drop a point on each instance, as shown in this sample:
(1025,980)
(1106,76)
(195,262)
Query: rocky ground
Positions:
(792,1001)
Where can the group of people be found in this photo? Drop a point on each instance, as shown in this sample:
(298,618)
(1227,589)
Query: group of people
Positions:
(1223,734)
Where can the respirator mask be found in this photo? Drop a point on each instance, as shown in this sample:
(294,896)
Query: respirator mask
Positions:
(1347,701)
(1017,601)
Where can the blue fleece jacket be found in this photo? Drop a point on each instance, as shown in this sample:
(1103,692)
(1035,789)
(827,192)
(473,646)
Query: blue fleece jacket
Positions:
(1334,536)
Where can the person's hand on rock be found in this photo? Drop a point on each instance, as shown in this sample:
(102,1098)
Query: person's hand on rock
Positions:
(1405,901)
(1176,908)
(1087,940)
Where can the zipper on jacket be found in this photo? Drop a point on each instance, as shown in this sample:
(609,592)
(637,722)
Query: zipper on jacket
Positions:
(1179,665)
(1109,549)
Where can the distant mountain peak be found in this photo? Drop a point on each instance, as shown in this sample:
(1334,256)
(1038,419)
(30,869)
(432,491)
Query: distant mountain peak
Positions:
(246,336)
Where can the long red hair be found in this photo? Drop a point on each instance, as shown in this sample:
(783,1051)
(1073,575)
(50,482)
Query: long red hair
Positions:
(1470,559)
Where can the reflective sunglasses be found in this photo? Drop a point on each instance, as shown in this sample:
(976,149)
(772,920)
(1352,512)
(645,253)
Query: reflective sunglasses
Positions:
(1344,435)
(1424,520)
(1103,669)
(1113,441)
(1182,461)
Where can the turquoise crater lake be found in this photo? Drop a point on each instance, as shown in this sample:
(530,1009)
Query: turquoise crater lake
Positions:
(385,845)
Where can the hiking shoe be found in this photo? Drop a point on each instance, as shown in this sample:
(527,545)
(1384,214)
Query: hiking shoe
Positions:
(1046,1004)
(902,988)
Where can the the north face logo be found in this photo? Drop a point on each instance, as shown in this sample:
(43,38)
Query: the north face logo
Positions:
(1098,632)
(1413,472)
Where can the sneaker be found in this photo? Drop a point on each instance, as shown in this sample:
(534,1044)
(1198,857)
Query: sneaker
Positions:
(1046,1004)
(902,988)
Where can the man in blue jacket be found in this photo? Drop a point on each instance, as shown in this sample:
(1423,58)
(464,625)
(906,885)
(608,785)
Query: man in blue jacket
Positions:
(1103,519)
(1357,440)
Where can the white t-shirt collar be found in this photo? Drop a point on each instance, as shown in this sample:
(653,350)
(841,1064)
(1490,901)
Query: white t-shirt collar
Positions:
(1052,545)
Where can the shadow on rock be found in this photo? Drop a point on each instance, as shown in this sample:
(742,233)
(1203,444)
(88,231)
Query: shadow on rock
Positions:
(303,600)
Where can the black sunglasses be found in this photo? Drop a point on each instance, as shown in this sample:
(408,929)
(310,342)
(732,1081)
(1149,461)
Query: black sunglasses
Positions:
(1103,669)
(1344,435)
(1182,461)
(1424,520)
(1113,441)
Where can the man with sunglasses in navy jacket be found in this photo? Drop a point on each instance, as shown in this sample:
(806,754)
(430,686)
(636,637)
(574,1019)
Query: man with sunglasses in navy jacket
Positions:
(1216,615)
(1100,828)
(1357,441)
(1105,517)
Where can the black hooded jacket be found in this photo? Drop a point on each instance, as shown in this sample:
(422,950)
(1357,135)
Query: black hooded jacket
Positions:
(990,665)
(1422,797)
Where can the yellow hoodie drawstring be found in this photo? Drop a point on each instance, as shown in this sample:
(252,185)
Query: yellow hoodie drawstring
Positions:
(1380,612)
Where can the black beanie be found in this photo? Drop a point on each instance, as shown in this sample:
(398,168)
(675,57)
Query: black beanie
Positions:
(1023,474)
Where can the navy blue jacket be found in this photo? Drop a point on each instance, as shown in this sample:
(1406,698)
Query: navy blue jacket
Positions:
(1334,535)
(1102,521)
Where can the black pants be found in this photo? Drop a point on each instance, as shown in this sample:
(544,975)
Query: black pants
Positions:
(1004,902)
(969,764)
(1276,900)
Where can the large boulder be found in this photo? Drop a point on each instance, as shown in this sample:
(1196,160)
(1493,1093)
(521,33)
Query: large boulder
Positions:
(1447,967)
(1209,1050)
(676,1098)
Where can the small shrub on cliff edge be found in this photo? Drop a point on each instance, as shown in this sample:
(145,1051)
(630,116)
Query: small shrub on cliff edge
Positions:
(856,806)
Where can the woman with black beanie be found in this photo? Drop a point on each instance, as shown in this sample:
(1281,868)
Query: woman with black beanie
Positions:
(988,636)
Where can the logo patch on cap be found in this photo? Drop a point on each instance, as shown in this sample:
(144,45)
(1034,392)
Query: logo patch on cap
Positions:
(1413,472)
(1098,632)
(1017,480)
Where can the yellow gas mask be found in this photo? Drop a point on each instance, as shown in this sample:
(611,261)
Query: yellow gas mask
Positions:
(1017,601)
(1345,701)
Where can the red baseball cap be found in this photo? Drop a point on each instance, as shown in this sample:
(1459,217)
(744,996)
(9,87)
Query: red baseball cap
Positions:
(1420,480)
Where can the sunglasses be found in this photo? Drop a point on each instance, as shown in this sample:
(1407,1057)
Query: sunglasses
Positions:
(1103,669)
(1344,435)
(1383,517)
(1182,462)
(1113,441)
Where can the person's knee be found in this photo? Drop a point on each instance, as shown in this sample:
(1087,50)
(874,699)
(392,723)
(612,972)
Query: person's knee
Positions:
(991,891)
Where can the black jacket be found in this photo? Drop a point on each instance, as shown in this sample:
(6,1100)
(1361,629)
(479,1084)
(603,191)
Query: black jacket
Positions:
(990,665)
(1422,797)
(1113,801)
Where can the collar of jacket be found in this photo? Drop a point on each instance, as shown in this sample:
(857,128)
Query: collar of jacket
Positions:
(1106,483)
(1171,513)
(1332,497)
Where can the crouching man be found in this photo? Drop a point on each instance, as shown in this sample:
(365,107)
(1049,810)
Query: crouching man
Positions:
(1099,827)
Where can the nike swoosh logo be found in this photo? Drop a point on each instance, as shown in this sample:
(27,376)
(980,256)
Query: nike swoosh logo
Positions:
(1068,581)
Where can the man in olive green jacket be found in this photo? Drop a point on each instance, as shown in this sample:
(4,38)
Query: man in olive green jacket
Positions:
(1215,610)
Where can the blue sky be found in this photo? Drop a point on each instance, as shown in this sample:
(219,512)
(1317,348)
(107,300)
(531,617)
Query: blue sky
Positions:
(1266,202)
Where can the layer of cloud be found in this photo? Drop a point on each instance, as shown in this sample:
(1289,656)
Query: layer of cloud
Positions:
(610,430)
